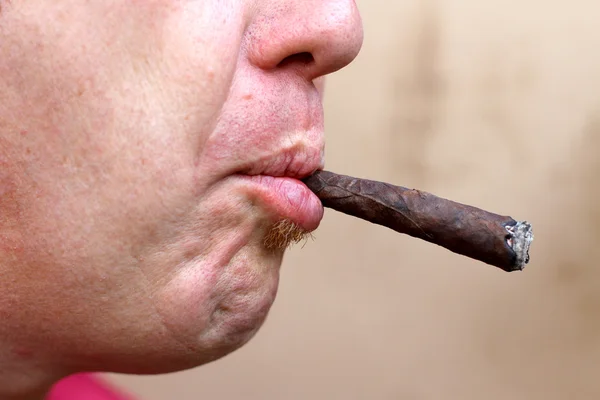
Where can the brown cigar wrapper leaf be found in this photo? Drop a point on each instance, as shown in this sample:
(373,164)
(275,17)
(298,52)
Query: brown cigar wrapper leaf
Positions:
(493,239)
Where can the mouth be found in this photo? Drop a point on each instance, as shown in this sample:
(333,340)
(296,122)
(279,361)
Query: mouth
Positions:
(276,182)
(286,199)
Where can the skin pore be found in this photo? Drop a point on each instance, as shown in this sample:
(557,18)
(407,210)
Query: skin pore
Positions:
(149,152)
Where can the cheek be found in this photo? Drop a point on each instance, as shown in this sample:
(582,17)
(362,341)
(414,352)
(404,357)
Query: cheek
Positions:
(116,140)
(200,49)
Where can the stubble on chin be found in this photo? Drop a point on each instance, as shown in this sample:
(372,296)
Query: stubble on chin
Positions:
(284,234)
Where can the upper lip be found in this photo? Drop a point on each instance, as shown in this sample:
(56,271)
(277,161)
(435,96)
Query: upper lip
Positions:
(297,161)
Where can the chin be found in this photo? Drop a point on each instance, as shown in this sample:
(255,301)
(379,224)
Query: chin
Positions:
(207,319)
(208,308)
(233,322)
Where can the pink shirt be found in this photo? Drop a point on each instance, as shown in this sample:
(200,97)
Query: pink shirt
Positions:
(85,387)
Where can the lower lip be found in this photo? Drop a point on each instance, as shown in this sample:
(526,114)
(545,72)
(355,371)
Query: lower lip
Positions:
(287,198)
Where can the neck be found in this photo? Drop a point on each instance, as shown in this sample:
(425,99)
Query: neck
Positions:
(23,387)
(38,395)
(28,368)
(24,378)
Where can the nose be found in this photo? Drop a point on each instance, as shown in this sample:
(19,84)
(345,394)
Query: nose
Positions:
(313,37)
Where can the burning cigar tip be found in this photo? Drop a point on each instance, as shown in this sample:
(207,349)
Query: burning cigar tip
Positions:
(519,238)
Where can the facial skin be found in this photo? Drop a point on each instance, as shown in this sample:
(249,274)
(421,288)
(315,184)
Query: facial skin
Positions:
(132,238)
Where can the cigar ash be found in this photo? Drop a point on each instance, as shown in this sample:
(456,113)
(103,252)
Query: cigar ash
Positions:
(519,238)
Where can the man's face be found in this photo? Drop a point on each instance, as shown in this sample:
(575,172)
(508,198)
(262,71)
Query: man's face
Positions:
(147,149)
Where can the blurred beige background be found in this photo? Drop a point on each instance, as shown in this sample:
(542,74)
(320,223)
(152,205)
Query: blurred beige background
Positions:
(494,103)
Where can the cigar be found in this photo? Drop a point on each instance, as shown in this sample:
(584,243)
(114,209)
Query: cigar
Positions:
(490,238)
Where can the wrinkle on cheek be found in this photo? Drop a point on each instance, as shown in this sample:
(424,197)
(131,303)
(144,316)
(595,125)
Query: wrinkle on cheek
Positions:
(206,51)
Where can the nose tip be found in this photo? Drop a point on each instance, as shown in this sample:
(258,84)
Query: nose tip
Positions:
(317,37)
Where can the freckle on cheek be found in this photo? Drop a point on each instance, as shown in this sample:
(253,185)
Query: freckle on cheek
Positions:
(210,75)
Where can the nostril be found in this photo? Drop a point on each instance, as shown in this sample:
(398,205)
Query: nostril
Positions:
(304,58)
